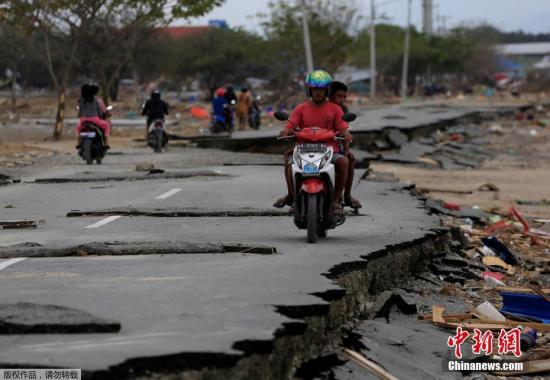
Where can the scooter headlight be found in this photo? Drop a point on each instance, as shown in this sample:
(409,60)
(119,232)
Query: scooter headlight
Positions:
(298,160)
(325,159)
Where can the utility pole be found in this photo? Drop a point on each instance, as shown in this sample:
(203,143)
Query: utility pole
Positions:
(307,41)
(372,50)
(427,17)
(404,74)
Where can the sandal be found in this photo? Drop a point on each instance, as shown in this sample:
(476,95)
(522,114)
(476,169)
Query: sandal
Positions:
(352,202)
(282,202)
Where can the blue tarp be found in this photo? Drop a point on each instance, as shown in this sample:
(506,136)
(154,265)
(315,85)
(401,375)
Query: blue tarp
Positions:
(526,305)
(508,65)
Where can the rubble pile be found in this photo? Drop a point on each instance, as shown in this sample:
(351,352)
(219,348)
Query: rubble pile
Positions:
(463,146)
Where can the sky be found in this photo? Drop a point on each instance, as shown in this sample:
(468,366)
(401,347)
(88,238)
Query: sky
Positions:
(509,15)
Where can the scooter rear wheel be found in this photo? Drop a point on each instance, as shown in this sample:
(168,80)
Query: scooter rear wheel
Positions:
(312,221)
(87,151)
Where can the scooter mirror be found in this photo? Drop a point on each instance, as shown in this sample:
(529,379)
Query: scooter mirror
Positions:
(349,117)
(280,115)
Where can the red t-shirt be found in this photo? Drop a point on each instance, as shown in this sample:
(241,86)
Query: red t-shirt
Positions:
(326,115)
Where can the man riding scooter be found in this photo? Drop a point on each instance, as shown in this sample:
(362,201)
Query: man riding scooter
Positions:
(319,112)
(154,108)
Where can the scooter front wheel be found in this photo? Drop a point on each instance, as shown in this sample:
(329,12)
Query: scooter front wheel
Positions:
(312,221)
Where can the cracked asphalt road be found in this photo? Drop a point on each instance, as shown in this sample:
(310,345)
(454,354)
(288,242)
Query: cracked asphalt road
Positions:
(172,304)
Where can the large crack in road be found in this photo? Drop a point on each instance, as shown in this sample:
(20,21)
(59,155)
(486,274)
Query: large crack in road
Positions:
(211,315)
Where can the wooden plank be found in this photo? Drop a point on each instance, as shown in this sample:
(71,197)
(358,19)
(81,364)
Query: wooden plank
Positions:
(370,365)
(456,317)
(437,314)
(534,366)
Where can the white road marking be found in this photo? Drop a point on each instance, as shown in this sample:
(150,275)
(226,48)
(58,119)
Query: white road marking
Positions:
(168,193)
(133,339)
(7,263)
(104,221)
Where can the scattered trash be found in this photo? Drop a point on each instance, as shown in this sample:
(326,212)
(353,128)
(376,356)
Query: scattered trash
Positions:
(489,313)
(496,129)
(501,250)
(528,339)
(488,187)
(470,321)
(493,261)
(542,202)
(464,212)
(451,206)
(492,280)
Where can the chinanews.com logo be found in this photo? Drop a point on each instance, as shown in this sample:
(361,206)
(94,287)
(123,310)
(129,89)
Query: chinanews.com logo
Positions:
(507,343)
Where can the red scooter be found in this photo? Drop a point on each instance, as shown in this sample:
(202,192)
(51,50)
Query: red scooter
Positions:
(314,178)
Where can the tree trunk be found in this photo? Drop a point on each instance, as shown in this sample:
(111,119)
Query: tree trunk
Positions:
(103,85)
(60,116)
(14,89)
(113,89)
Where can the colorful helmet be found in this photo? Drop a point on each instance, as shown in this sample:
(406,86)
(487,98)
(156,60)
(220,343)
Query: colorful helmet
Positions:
(220,92)
(318,79)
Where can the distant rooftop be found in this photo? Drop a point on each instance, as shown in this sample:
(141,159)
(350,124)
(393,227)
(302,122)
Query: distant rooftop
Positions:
(527,48)
(183,31)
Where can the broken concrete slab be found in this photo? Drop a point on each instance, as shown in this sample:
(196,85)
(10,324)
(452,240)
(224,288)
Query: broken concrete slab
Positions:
(409,153)
(464,212)
(132,176)
(31,318)
(118,248)
(390,298)
(15,224)
(188,212)
(396,138)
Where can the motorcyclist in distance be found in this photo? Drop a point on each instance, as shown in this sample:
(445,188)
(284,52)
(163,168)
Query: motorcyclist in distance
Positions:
(91,109)
(154,108)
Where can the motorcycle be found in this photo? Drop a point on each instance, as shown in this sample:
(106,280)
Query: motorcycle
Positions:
(157,137)
(92,142)
(314,178)
(255,116)
(223,122)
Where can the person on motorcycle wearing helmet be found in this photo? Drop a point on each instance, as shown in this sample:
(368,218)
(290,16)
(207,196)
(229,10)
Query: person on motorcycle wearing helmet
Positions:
(221,108)
(219,103)
(338,95)
(319,112)
(154,108)
(92,110)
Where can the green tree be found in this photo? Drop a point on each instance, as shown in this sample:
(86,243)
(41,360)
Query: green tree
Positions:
(62,25)
(440,54)
(330,25)
(113,39)
(220,56)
